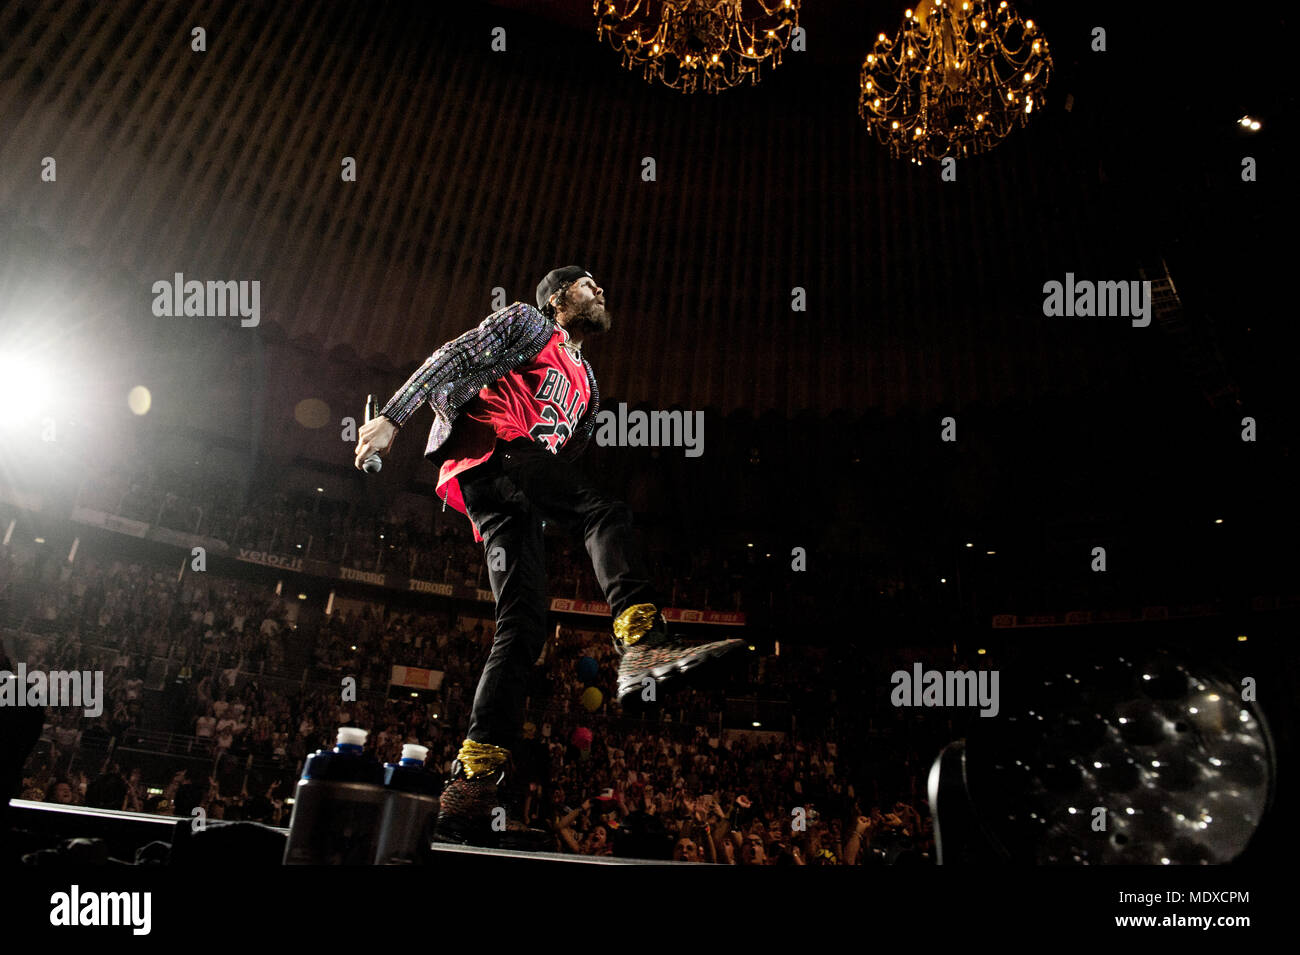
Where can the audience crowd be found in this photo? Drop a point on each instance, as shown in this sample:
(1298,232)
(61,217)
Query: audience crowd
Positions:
(374,538)
(216,689)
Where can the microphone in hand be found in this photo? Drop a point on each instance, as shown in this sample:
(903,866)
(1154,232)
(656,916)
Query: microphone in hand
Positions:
(373,463)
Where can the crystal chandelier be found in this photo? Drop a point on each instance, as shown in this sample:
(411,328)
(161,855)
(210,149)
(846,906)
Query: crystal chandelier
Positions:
(955,81)
(698,44)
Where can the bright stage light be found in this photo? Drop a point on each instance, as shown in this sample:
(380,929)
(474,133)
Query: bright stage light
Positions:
(139,400)
(24,390)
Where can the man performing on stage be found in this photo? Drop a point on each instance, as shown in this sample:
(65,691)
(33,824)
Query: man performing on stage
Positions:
(515,402)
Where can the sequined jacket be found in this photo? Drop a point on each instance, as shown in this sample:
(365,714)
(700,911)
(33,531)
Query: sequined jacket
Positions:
(453,374)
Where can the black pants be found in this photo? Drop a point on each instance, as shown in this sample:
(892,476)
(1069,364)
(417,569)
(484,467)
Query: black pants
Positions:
(508,496)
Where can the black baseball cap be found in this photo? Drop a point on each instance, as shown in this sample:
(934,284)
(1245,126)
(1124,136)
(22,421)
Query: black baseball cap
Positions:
(557,277)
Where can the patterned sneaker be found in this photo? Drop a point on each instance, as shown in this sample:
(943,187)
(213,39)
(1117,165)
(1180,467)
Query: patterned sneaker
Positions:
(468,807)
(646,649)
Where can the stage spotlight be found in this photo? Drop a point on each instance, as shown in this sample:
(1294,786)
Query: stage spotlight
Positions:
(24,390)
(139,400)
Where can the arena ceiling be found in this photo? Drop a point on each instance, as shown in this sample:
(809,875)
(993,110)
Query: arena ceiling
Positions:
(479,171)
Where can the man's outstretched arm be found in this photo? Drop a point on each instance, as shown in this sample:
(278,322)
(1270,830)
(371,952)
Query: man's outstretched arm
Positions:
(478,347)
(455,359)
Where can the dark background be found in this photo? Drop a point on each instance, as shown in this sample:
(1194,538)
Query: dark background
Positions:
(480,170)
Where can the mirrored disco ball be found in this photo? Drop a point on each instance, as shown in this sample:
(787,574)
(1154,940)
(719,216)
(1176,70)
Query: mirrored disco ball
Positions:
(1145,759)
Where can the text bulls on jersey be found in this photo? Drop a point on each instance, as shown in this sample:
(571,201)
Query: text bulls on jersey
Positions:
(564,401)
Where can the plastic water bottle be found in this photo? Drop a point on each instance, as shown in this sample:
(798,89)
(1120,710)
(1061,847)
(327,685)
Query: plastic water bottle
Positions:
(337,806)
(410,809)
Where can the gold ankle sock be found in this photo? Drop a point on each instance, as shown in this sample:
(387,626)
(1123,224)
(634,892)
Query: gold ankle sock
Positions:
(634,622)
(481,758)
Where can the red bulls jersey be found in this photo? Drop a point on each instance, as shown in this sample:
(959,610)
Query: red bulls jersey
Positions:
(541,400)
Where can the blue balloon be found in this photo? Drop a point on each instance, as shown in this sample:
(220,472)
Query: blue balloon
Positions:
(588,670)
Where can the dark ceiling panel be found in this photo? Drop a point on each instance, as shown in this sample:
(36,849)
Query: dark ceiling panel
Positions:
(480,170)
